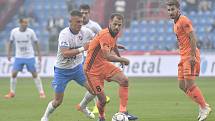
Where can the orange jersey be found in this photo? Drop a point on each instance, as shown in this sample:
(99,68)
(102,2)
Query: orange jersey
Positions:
(95,60)
(182,28)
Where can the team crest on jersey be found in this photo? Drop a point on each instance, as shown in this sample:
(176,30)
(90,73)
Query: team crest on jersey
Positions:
(80,38)
(28,36)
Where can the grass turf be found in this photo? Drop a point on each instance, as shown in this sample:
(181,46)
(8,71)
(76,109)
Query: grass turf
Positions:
(151,99)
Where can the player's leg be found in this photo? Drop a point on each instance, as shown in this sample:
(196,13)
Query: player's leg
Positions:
(96,84)
(52,105)
(17,66)
(59,84)
(193,91)
(30,64)
(80,78)
(122,80)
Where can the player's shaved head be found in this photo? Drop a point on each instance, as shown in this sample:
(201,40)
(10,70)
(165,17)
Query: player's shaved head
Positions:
(76,13)
(173,2)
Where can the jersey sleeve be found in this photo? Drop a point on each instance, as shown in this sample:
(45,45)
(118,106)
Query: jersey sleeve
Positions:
(186,25)
(63,40)
(88,34)
(11,39)
(34,37)
(97,28)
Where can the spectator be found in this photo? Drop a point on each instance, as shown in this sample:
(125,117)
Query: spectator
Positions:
(54,27)
(204,5)
(191,5)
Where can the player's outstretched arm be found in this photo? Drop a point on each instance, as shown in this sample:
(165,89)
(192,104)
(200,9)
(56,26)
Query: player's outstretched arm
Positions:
(114,58)
(120,46)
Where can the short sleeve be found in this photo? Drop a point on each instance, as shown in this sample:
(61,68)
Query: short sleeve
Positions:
(89,34)
(97,28)
(11,39)
(34,37)
(63,40)
(187,26)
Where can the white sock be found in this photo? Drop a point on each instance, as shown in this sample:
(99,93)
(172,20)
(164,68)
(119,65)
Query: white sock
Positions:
(49,110)
(12,85)
(87,98)
(38,84)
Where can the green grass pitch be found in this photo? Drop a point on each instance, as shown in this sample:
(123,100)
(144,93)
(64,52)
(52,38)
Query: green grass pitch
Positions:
(151,99)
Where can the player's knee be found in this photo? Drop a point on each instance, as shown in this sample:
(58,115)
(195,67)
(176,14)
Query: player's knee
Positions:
(124,82)
(14,75)
(57,103)
(34,75)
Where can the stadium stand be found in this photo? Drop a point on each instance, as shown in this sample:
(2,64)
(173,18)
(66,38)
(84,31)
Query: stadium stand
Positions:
(144,31)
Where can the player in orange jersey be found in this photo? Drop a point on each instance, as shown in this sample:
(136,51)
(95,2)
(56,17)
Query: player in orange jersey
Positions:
(189,66)
(98,67)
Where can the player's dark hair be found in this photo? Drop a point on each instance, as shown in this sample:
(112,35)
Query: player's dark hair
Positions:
(21,19)
(76,13)
(173,2)
(118,15)
(84,6)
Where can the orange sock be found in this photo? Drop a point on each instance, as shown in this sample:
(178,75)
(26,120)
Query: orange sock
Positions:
(196,95)
(101,110)
(123,94)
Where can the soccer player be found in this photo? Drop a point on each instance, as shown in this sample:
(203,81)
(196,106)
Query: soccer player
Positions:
(24,38)
(95,28)
(98,67)
(72,41)
(189,65)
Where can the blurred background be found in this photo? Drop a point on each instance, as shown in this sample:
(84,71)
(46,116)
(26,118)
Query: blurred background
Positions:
(147,27)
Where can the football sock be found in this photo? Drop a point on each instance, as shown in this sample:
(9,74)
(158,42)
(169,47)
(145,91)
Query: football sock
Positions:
(87,98)
(123,94)
(12,85)
(196,95)
(49,110)
(38,84)
(101,109)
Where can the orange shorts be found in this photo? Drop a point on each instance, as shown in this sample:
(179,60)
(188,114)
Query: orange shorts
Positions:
(186,72)
(96,81)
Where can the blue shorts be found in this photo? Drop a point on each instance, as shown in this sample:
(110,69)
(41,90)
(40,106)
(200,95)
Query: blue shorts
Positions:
(63,76)
(19,63)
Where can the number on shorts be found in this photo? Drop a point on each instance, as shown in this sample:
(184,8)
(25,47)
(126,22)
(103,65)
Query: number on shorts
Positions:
(98,88)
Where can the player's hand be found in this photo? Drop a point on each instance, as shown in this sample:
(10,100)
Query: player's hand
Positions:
(86,46)
(125,61)
(119,46)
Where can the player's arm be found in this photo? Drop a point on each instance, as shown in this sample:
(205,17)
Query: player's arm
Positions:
(120,46)
(193,40)
(107,53)
(188,28)
(37,47)
(68,52)
(9,50)
(9,45)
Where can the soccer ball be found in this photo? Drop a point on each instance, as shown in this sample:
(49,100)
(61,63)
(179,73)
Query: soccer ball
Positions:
(119,117)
